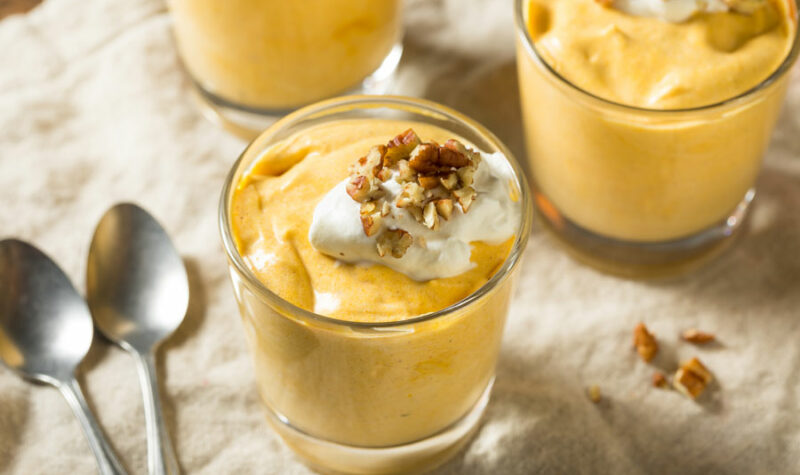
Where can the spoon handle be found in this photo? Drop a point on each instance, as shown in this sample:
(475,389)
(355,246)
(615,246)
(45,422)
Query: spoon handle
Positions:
(107,462)
(160,455)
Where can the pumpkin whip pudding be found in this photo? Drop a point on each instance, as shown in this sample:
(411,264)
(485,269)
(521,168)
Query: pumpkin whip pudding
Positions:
(371,260)
(646,120)
(267,56)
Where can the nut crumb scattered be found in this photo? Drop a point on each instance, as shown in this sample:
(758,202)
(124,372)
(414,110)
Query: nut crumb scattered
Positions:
(594,393)
(692,378)
(659,380)
(696,336)
(644,342)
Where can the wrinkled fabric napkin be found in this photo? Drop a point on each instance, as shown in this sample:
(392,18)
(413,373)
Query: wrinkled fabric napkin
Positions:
(95,109)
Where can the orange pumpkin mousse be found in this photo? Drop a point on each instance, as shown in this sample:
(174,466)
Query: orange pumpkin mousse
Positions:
(272,215)
(648,175)
(279,54)
(363,221)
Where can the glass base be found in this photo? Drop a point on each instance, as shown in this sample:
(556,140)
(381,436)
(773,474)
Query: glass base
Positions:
(642,260)
(247,122)
(416,457)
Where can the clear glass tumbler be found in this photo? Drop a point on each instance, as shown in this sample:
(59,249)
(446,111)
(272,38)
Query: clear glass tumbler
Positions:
(641,192)
(390,397)
(254,60)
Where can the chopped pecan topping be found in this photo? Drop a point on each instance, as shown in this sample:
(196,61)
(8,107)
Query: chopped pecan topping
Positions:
(400,147)
(429,182)
(371,218)
(404,172)
(424,159)
(444,207)
(412,195)
(692,378)
(465,196)
(457,146)
(358,188)
(644,342)
(449,180)
(450,158)
(430,216)
(694,335)
(659,380)
(433,177)
(430,159)
(394,242)
(465,176)
(386,208)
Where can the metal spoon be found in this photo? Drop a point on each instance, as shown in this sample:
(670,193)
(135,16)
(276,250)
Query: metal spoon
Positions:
(138,291)
(46,331)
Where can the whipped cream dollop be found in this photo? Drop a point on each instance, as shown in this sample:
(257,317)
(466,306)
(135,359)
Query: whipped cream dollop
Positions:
(493,217)
(674,11)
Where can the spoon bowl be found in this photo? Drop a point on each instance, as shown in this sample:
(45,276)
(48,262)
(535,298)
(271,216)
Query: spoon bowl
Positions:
(46,331)
(138,292)
(33,292)
(136,281)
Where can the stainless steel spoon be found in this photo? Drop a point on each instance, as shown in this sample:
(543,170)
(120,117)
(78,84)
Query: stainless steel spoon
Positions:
(138,292)
(46,331)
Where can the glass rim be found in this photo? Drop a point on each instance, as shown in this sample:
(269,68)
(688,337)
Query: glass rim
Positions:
(420,106)
(785,66)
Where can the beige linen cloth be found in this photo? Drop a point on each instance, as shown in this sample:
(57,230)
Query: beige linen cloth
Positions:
(94,109)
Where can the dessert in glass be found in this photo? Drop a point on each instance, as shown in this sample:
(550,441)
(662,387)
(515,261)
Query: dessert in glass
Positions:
(646,121)
(254,60)
(373,245)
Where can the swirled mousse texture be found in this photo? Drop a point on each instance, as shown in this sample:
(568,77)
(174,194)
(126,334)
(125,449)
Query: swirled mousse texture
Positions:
(296,197)
(643,60)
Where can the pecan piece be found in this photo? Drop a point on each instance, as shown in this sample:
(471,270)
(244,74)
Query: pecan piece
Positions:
(428,182)
(645,342)
(424,159)
(465,196)
(394,242)
(692,378)
(449,180)
(466,176)
(444,207)
(456,146)
(404,172)
(411,196)
(370,164)
(430,218)
(696,336)
(358,188)
(386,208)
(371,223)
(452,158)
(400,147)
(371,218)
(659,380)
